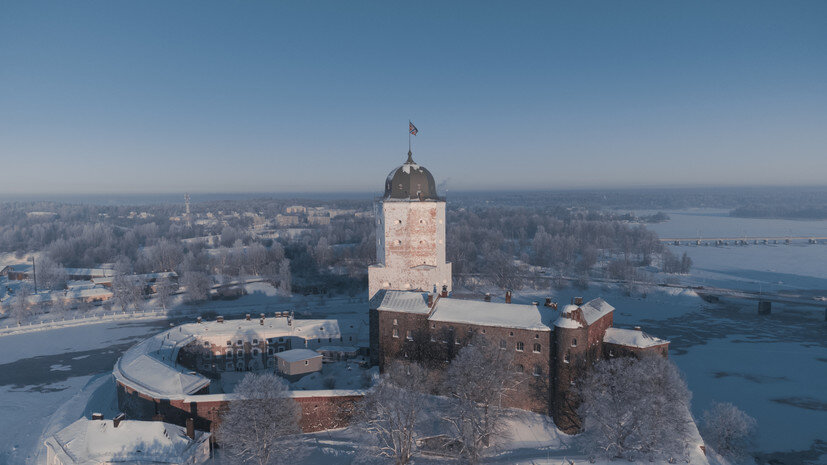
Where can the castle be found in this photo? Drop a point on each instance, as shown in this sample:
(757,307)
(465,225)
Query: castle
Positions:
(413,316)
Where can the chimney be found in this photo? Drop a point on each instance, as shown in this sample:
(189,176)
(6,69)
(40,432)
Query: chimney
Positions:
(97,416)
(444,291)
(508,296)
(198,319)
(191,428)
(637,328)
(487,297)
(118,419)
(261,321)
(290,319)
(219,319)
(247,317)
(548,302)
(262,316)
(578,301)
(430,300)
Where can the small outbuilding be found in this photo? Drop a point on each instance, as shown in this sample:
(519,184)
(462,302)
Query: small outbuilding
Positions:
(98,442)
(295,363)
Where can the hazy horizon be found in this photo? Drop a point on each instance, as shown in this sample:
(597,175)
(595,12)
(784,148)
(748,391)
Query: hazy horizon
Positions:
(103,98)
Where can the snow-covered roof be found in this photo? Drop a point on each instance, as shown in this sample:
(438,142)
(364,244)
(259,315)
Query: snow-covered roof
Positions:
(297,355)
(593,310)
(568,323)
(91,272)
(134,442)
(150,366)
(483,313)
(400,301)
(631,338)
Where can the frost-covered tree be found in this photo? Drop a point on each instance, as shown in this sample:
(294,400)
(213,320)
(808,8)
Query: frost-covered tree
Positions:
(197,285)
(635,407)
(20,307)
(127,291)
(728,429)
(50,274)
(262,428)
(285,277)
(163,291)
(392,411)
(476,382)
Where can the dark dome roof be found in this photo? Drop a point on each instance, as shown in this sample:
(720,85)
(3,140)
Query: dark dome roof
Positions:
(410,181)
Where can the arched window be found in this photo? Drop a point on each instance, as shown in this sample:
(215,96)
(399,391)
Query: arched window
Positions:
(503,344)
(566,358)
(395,332)
(520,347)
(537,348)
(519,368)
(538,370)
(574,342)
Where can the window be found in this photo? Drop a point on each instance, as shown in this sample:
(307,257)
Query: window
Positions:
(395,323)
(536,336)
(456,341)
(611,353)
(574,342)
(239,353)
(206,344)
(229,343)
(255,342)
(306,362)
(330,339)
(433,339)
(511,333)
(408,335)
(433,325)
(537,348)
(350,338)
(538,370)
(239,342)
(483,330)
(395,332)
(255,352)
(519,368)
(503,345)
(281,349)
(566,358)
(270,351)
(520,347)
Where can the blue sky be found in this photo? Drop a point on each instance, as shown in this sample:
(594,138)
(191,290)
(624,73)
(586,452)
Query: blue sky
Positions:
(137,97)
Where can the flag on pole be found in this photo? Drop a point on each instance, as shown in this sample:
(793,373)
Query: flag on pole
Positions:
(413,130)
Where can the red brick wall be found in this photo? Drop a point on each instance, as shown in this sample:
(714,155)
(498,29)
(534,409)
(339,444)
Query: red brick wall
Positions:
(318,413)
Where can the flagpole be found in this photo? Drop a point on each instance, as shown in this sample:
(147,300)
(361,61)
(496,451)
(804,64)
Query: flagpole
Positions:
(409,135)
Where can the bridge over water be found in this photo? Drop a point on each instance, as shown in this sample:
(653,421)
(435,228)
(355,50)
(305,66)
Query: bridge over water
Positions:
(743,240)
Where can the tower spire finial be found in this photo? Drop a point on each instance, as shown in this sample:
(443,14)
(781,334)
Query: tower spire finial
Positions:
(410,157)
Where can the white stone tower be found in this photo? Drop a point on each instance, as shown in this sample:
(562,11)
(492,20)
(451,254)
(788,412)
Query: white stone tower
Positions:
(410,234)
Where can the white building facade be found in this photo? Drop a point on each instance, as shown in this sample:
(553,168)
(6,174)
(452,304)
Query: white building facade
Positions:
(410,232)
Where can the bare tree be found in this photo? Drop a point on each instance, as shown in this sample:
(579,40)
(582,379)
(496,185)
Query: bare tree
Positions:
(632,407)
(262,427)
(128,291)
(163,290)
(477,381)
(391,412)
(197,284)
(20,307)
(50,275)
(728,429)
